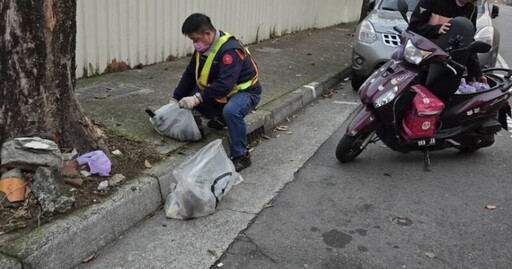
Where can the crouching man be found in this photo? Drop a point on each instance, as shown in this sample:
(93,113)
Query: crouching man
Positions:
(220,82)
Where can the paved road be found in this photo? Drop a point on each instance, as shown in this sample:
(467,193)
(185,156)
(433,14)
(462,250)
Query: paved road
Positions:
(384,211)
(503,22)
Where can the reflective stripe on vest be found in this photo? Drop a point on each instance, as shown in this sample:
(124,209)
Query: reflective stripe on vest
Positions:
(202,79)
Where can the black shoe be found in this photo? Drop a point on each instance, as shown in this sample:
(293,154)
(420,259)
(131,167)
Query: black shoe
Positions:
(199,122)
(241,162)
(216,123)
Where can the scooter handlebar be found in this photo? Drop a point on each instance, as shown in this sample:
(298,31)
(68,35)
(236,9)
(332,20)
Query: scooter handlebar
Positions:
(491,70)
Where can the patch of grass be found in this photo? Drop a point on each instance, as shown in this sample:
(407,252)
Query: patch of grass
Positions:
(12,226)
(128,136)
(258,35)
(273,32)
(93,71)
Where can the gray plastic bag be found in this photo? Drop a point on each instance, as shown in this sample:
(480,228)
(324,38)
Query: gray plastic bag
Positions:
(175,122)
(202,180)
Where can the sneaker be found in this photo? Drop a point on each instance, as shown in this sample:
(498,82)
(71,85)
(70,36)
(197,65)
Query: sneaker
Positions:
(216,123)
(241,162)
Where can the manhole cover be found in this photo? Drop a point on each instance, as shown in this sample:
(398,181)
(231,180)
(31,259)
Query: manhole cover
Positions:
(109,90)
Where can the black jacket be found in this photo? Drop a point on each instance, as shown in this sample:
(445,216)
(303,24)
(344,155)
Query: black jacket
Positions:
(430,15)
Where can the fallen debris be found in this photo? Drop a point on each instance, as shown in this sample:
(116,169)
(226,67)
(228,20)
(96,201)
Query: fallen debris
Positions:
(29,153)
(50,199)
(147,164)
(430,255)
(90,258)
(12,186)
(490,207)
(69,156)
(70,168)
(103,185)
(98,162)
(75,182)
(116,179)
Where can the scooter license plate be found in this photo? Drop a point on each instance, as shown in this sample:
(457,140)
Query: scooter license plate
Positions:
(427,142)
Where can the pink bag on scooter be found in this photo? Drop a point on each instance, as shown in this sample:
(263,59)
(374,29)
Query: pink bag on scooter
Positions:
(420,120)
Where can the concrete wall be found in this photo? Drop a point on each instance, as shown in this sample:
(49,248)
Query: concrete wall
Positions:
(149,31)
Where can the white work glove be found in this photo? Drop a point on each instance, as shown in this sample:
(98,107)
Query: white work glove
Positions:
(173,101)
(189,102)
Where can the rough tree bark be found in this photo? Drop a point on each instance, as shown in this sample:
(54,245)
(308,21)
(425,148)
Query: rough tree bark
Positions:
(37,73)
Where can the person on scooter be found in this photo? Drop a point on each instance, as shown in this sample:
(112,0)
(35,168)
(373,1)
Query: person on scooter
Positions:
(431,19)
(220,82)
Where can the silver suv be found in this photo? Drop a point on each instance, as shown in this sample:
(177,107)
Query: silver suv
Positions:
(375,40)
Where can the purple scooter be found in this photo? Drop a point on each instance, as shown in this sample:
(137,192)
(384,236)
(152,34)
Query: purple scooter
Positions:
(468,122)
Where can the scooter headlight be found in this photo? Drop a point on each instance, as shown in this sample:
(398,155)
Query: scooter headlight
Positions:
(414,55)
(386,97)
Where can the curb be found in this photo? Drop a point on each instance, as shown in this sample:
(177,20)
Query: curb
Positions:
(66,242)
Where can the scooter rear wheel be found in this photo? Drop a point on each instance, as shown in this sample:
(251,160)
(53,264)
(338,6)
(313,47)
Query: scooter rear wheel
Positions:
(349,147)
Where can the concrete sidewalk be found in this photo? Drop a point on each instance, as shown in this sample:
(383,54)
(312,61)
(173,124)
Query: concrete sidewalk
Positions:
(286,64)
(294,71)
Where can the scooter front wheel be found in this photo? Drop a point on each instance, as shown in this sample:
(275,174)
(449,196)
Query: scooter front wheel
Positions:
(350,147)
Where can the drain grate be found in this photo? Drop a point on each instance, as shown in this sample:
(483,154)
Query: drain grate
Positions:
(110,90)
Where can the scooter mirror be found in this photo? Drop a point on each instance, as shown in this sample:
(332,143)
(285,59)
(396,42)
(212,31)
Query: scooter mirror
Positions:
(479,47)
(403,7)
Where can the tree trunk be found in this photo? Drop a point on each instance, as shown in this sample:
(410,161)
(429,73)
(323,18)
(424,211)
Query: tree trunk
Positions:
(37,73)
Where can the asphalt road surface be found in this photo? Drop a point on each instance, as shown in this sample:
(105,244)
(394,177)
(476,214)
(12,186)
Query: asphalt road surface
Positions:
(384,211)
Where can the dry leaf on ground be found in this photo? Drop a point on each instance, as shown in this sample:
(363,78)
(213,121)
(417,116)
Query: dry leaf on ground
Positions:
(90,258)
(430,255)
(282,128)
(147,164)
(490,207)
(102,96)
(265,137)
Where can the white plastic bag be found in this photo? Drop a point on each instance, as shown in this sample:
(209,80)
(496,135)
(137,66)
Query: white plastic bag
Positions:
(202,182)
(175,122)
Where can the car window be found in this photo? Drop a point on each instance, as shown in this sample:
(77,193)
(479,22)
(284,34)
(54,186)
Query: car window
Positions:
(391,4)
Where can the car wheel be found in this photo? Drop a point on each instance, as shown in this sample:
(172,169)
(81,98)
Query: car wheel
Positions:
(357,80)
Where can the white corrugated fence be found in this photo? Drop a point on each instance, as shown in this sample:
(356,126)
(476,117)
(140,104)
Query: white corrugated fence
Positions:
(144,32)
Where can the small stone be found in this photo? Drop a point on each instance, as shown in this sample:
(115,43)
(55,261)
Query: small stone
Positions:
(103,185)
(116,179)
(430,255)
(85,173)
(75,182)
(117,152)
(70,168)
(50,199)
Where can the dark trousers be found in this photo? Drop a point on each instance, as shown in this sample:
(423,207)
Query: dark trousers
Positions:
(233,113)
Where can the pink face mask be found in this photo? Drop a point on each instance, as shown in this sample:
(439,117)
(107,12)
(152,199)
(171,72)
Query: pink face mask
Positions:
(200,47)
